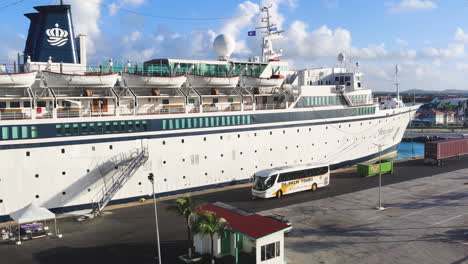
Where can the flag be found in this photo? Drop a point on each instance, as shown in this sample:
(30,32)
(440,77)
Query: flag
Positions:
(273,29)
(252,33)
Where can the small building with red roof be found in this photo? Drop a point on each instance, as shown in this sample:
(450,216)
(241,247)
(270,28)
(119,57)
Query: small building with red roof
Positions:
(253,238)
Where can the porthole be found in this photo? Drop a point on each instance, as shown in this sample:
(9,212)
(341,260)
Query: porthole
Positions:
(204,139)
(325,142)
(326,127)
(37,196)
(89,190)
(255,151)
(361,123)
(310,129)
(298,131)
(256,166)
(271,133)
(164,162)
(284,132)
(63,151)
(271,149)
(116,167)
(139,183)
(110,147)
(93,148)
(222,155)
(87,170)
(241,152)
(255,134)
(183,160)
(242,169)
(220,137)
(286,147)
(206,174)
(63,173)
(1,201)
(222,171)
(182,140)
(325,156)
(238,135)
(313,144)
(183,177)
(297,146)
(286,163)
(28,154)
(206,157)
(300,160)
(165,180)
(164,142)
(271,165)
(37,175)
(339,126)
(63,193)
(349,125)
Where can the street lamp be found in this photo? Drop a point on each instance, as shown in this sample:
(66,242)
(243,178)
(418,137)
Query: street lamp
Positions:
(151,179)
(380,207)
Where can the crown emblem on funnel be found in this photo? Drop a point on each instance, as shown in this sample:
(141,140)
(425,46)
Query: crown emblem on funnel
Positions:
(57,36)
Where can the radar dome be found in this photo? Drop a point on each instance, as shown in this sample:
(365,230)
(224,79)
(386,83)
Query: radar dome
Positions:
(224,46)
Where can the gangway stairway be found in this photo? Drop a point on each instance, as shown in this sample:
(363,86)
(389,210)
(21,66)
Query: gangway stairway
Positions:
(137,159)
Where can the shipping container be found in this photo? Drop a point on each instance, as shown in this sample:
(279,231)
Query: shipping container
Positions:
(436,151)
(373,168)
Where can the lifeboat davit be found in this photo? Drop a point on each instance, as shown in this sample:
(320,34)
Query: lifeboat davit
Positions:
(252,81)
(17,80)
(212,81)
(91,80)
(146,81)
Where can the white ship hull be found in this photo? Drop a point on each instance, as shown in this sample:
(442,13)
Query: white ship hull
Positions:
(212,81)
(59,80)
(143,81)
(17,80)
(250,81)
(66,174)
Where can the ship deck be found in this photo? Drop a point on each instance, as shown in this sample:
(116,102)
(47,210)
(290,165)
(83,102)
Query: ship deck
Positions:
(425,223)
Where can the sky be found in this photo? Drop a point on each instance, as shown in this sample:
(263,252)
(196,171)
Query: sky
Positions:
(426,38)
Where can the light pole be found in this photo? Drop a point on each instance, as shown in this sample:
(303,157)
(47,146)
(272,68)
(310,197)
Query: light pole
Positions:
(151,179)
(379,206)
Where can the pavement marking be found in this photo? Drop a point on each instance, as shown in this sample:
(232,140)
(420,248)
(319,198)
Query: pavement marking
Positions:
(449,219)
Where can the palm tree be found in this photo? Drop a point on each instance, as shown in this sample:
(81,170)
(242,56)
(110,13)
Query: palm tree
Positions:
(206,223)
(185,207)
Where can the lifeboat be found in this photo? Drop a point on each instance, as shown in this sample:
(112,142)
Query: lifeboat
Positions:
(212,81)
(146,81)
(92,80)
(252,81)
(17,80)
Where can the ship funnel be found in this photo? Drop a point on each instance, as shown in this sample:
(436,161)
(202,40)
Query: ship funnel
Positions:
(51,34)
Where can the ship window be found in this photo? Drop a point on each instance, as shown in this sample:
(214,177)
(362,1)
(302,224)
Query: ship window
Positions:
(137,126)
(207,122)
(215,100)
(130,126)
(171,124)
(41,104)
(348,84)
(145,125)
(177,123)
(58,129)
(14,104)
(99,128)
(195,123)
(164,124)
(34,133)
(189,123)
(212,121)
(84,129)
(234,120)
(92,129)
(223,121)
(249,119)
(63,151)
(358,84)
(217,121)
(347,79)
(14,132)
(24,132)
(165,101)
(182,123)
(191,101)
(76,130)
(116,127)
(108,127)
(67,130)
(122,126)
(28,153)
(2,104)
(230,100)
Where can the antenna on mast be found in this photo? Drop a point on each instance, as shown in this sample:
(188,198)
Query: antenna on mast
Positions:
(397,85)
(271,32)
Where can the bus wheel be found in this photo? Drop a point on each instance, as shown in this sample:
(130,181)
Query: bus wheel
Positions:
(314,187)
(279,194)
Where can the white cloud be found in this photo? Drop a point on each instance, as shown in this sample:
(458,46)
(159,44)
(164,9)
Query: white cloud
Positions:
(401,42)
(330,3)
(462,67)
(453,50)
(410,5)
(461,36)
(243,17)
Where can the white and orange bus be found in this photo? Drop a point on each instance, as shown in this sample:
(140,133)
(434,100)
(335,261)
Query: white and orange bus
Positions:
(280,181)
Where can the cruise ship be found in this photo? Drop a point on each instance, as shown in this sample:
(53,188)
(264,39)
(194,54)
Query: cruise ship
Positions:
(76,137)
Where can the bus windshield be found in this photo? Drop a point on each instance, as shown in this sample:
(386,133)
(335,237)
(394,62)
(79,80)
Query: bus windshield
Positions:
(263,183)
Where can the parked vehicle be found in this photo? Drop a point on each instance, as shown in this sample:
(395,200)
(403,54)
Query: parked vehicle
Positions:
(436,151)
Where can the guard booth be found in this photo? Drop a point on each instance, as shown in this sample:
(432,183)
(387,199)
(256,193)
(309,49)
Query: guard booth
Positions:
(251,238)
(372,168)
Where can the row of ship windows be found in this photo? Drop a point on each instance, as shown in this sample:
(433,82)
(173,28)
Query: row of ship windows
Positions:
(366,110)
(18,132)
(201,122)
(334,100)
(100,128)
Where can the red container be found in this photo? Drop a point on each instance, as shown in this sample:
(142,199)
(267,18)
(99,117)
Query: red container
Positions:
(435,151)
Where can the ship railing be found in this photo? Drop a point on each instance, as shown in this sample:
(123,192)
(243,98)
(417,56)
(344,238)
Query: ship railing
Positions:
(19,115)
(270,106)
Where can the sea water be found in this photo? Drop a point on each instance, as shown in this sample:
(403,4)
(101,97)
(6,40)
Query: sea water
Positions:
(408,150)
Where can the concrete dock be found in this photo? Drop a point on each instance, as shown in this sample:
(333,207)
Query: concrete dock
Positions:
(425,221)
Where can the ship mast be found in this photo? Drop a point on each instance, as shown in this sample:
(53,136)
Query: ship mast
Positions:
(271,32)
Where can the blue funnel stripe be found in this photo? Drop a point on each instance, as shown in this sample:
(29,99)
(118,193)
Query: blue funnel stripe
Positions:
(51,34)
